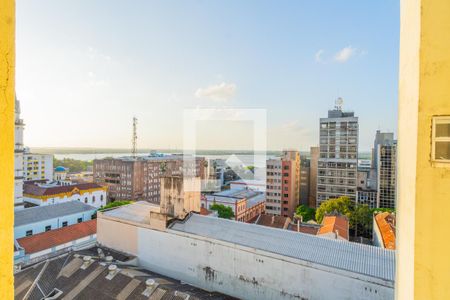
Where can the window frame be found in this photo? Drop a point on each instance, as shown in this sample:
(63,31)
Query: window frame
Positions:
(439,120)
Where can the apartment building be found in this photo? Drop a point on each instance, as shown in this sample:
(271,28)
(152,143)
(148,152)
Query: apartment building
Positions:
(37,166)
(283,184)
(138,178)
(338,160)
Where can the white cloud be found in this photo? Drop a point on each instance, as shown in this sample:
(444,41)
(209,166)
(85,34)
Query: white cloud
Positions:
(344,54)
(219,92)
(318,55)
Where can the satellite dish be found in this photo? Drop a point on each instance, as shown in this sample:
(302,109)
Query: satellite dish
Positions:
(338,103)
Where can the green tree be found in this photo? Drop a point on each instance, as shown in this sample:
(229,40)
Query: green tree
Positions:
(307,213)
(342,205)
(361,220)
(73,165)
(224,212)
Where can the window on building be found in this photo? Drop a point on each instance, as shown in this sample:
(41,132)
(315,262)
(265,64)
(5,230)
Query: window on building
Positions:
(29,232)
(101,197)
(93,199)
(440,147)
(48,227)
(79,220)
(85,200)
(64,224)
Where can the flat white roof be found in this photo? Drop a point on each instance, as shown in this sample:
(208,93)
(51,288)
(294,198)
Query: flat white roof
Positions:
(138,212)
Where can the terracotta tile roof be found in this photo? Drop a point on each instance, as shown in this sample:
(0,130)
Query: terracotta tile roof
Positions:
(332,223)
(385,222)
(33,189)
(52,238)
(273,221)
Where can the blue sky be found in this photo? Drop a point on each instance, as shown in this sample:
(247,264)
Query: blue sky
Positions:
(84,68)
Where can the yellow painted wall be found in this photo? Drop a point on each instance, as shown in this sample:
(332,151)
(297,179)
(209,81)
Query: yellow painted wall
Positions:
(423,270)
(7,26)
(432,261)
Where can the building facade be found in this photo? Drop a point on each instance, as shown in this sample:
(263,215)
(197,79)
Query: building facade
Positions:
(305,170)
(215,169)
(313,169)
(37,166)
(18,158)
(283,184)
(40,219)
(367,187)
(38,247)
(252,184)
(338,161)
(245,203)
(387,174)
(49,194)
(139,178)
(240,262)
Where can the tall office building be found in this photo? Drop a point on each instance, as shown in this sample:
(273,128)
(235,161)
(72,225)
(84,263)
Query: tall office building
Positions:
(314,163)
(381,138)
(385,163)
(283,184)
(338,160)
(305,169)
(18,158)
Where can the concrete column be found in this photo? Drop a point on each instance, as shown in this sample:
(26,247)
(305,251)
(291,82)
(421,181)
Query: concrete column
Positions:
(7,65)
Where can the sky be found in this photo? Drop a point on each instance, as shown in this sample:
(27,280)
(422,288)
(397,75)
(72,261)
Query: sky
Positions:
(86,67)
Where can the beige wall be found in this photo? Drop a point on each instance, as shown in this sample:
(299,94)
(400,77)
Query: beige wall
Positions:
(179,195)
(117,235)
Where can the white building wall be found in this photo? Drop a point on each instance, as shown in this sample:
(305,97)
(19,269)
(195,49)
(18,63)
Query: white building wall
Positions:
(239,271)
(95,198)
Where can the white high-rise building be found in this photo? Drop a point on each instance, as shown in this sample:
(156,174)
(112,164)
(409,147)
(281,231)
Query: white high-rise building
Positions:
(37,166)
(338,160)
(18,159)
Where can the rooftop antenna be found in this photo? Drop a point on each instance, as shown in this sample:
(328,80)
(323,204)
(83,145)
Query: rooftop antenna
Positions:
(338,103)
(134,138)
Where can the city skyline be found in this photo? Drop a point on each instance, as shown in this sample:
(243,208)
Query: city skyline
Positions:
(81,82)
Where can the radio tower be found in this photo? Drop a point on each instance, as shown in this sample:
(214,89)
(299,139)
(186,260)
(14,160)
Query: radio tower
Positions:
(134,138)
